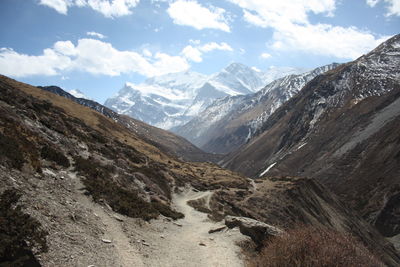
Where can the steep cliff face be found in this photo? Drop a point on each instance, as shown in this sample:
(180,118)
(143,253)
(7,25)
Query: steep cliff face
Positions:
(341,129)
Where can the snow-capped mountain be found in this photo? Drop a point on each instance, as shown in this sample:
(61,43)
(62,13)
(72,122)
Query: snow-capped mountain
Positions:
(229,122)
(273,73)
(78,94)
(173,99)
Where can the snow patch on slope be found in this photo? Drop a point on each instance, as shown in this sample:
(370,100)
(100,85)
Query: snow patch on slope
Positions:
(267,169)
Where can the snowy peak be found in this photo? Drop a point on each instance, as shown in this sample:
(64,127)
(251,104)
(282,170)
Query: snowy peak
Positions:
(273,73)
(179,80)
(173,99)
(78,94)
(239,78)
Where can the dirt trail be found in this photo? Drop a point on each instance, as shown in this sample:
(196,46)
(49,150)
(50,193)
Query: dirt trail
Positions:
(125,253)
(183,243)
(187,242)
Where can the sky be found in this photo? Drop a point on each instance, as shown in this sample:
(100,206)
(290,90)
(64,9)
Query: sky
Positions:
(96,46)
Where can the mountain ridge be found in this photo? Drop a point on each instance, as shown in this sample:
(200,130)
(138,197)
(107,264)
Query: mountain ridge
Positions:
(173,99)
(341,129)
(229,122)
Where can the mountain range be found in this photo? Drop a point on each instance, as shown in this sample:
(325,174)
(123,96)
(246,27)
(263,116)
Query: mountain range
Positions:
(173,99)
(229,122)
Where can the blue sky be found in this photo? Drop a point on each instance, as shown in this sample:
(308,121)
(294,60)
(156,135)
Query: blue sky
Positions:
(98,45)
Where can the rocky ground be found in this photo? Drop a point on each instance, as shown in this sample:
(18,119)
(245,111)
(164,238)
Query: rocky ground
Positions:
(186,242)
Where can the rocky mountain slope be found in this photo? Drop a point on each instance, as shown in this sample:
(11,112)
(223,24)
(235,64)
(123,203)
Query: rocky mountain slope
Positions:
(230,122)
(168,142)
(342,129)
(104,196)
(173,99)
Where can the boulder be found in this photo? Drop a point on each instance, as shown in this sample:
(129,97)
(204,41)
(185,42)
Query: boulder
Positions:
(258,231)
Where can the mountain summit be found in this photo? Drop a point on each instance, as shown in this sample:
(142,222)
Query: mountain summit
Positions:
(173,99)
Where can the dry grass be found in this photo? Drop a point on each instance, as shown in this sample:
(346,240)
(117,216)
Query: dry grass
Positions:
(310,246)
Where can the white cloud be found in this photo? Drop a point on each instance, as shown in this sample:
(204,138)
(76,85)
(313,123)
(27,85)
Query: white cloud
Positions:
(109,8)
(65,48)
(393,6)
(166,64)
(255,69)
(194,53)
(96,34)
(272,12)
(214,46)
(293,31)
(324,39)
(20,65)
(265,55)
(61,6)
(89,55)
(372,3)
(195,42)
(191,13)
(146,52)
(113,8)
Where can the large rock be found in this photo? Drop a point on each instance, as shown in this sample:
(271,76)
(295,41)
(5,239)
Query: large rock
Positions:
(258,231)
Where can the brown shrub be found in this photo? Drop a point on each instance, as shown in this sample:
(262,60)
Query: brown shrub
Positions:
(54,155)
(10,149)
(310,246)
(123,200)
(19,233)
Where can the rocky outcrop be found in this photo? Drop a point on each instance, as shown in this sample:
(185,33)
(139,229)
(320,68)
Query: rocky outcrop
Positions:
(287,202)
(256,230)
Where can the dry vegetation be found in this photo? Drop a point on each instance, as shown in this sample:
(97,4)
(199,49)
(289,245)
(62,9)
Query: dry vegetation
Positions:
(117,156)
(310,246)
(19,233)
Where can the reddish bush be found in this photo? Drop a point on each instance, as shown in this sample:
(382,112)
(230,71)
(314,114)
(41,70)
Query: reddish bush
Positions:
(311,246)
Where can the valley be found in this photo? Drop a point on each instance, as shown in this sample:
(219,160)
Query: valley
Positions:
(316,149)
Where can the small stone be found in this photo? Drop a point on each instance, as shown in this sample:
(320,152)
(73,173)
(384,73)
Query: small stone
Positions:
(211,238)
(118,218)
(162,236)
(145,244)
(106,241)
(216,229)
(178,224)
(202,244)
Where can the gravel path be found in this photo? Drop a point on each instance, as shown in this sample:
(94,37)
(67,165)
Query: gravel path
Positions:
(187,243)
